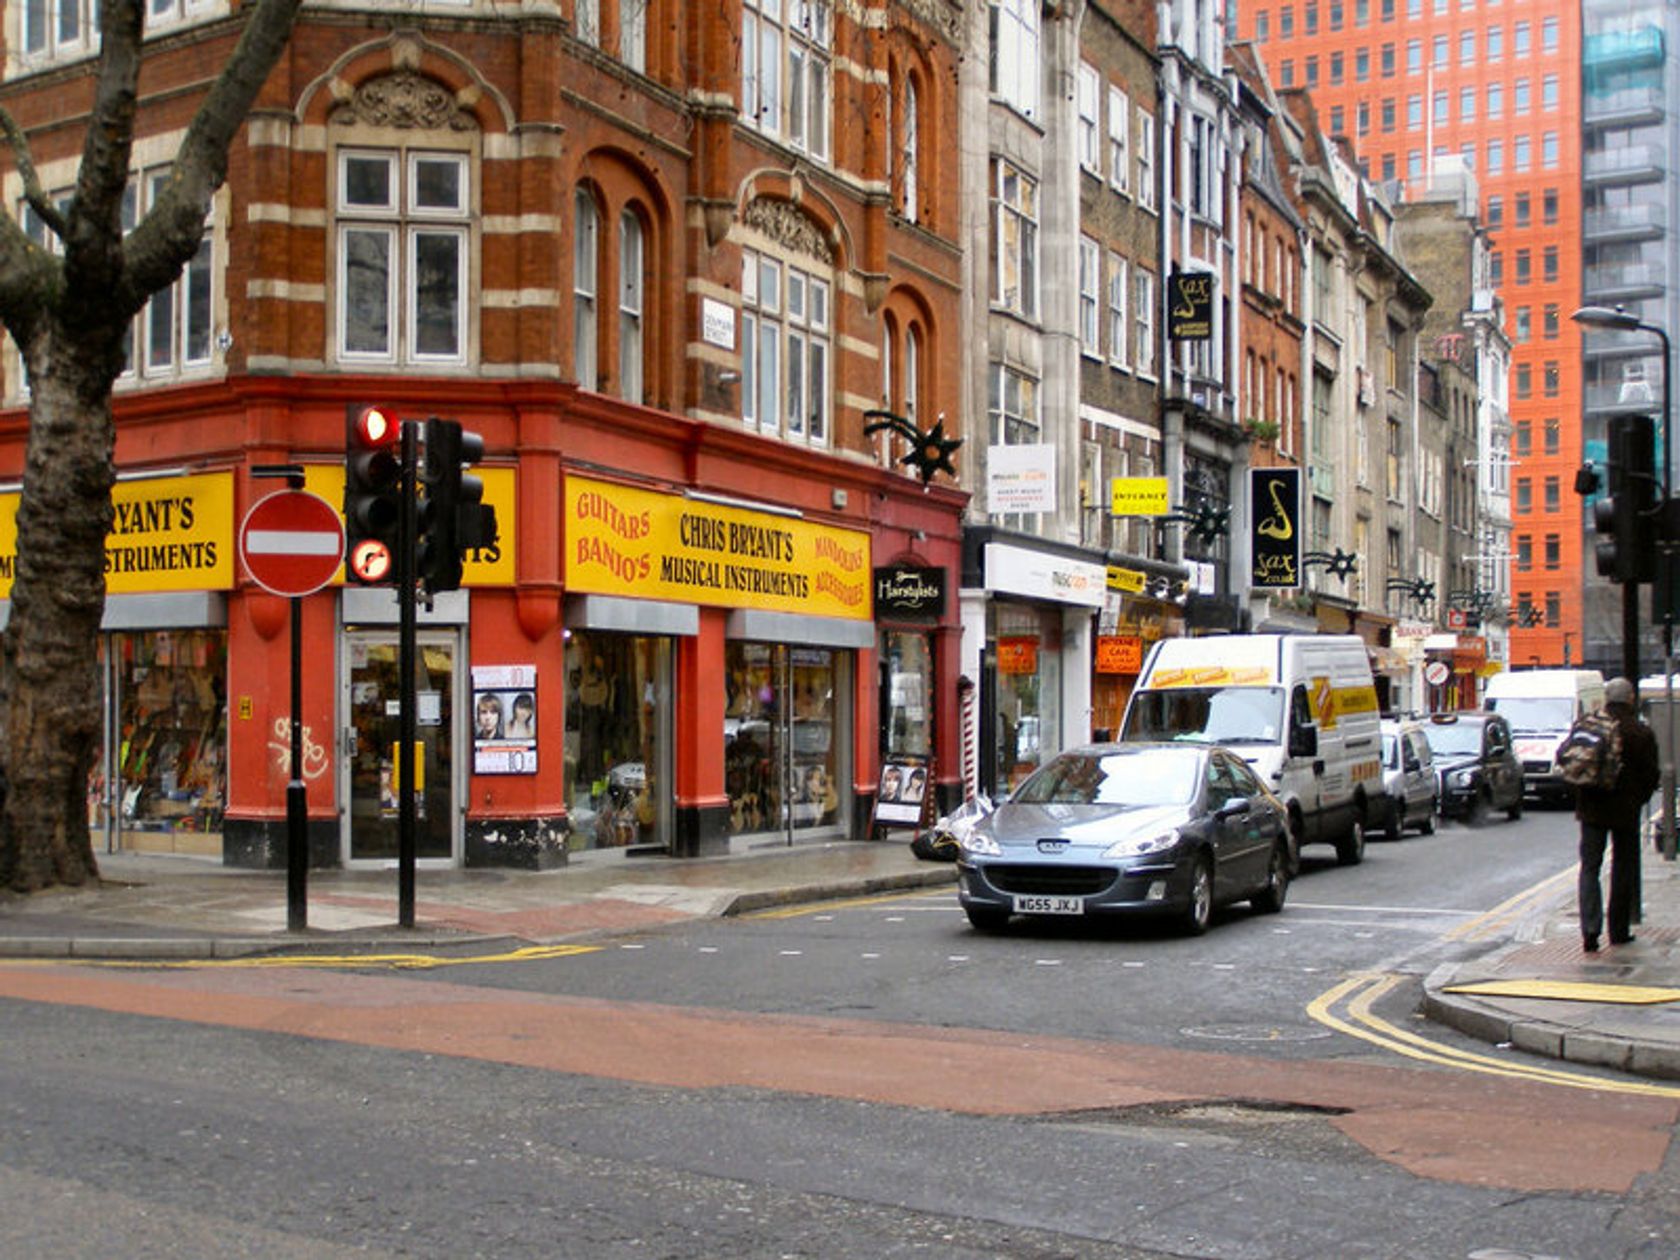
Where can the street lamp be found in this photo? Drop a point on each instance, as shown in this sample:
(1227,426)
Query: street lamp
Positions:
(1619,319)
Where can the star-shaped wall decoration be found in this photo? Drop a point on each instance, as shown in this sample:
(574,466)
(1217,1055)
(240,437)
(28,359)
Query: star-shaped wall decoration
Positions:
(929,452)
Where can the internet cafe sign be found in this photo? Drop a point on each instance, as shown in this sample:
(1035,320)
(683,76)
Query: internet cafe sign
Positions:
(1190,306)
(167,534)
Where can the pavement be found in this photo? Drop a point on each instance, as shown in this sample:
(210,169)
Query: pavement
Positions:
(1525,982)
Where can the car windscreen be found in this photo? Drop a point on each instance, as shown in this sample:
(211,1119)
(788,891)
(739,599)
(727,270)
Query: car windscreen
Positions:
(1535,713)
(1207,715)
(1160,776)
(1454,738)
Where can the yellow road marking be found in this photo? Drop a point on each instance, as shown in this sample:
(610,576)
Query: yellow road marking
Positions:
(1361,991)
(393,962)
(1571,991)
(850,903)
(1485,924)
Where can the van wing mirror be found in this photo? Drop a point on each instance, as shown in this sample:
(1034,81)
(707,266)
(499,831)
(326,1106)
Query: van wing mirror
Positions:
(1303,741)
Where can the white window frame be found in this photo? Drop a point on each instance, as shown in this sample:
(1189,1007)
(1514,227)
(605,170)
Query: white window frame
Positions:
(1022,420)
(1015,239)
(632,34)
(1088,93)
(586,22)
(1014,61)
(1144,314)
(1119,332)
(406,226)
(632,253)
(1146,159)
(787,72)
(586,279)
(186,309)
(43,37)
(911,142)
(787,327)
(1090,285)
(1119,141)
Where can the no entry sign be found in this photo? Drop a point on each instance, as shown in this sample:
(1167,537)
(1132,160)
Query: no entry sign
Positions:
(292,542)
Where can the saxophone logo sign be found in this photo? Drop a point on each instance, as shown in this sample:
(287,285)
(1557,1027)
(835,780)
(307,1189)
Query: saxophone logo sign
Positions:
(1274,506)
(1190,306)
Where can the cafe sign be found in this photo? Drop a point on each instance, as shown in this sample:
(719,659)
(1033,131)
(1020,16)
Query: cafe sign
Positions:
(623,540)
(167,534)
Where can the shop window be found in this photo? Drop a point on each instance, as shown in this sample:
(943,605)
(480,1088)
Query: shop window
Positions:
(783,734)
(785,71)
(403,239)
(785,348)
(906,706)
(171,747)
(618,739)
(1026,649)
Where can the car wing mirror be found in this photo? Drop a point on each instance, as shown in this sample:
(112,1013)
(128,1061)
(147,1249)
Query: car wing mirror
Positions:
(1303,741)
(1232,808)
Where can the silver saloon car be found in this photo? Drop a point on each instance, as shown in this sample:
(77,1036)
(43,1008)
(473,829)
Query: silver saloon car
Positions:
(1154,828)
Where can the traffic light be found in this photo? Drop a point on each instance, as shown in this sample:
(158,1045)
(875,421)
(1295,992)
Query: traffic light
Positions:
(1626,518)
(454,518)
(372,493)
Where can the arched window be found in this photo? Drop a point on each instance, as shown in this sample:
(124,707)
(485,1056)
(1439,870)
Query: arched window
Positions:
(912,374)
(630,287)
(585,279)
(912,144)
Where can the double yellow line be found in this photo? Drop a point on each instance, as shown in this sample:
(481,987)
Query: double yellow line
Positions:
(387,962)
(1358,994)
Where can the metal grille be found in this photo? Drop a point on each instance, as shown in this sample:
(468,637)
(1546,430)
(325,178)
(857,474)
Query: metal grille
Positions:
(1067,881)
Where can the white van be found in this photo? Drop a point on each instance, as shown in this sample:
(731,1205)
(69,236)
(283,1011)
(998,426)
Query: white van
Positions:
(1300,708)
(1541,705)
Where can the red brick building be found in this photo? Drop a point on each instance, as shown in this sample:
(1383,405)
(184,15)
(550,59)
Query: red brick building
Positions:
(663,257)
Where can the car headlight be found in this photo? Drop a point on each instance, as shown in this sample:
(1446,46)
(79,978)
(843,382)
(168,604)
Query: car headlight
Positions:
(1138,846)
(979,844)
(1463,778)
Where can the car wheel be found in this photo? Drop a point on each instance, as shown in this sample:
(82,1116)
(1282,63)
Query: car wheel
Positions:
(1515,812)
(1269,900)
(1427,826)
(1198,910)
(1396,820)
(987,918)
(1350,849)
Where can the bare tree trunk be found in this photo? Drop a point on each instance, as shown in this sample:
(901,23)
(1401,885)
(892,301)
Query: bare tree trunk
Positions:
(51,675)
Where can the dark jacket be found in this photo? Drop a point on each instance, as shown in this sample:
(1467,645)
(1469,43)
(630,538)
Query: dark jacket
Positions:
(1618,807)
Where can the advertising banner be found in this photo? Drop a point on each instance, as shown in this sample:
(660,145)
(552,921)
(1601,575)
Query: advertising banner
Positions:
(1274,498)
(1190,306)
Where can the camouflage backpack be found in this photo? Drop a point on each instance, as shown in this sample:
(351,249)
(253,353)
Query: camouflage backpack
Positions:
(1591,755)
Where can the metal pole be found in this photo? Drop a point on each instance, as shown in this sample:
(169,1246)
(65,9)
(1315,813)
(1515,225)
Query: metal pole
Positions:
(297,793)
(1630,631)
(1668,802)
(407,526)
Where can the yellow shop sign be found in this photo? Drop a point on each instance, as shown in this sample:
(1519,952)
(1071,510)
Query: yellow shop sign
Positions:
(639,543)
(169,534)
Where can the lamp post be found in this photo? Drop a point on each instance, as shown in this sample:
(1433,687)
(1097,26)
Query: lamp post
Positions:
(1619,319)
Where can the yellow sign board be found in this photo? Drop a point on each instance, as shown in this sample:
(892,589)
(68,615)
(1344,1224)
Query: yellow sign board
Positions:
(639,543)
(492,566)
(1138,496)
(169,534)
(1125,579)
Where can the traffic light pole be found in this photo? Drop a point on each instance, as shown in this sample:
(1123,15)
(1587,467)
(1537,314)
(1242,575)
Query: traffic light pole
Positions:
(407,575)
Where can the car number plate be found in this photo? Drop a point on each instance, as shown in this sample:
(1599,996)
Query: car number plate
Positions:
(1049,905)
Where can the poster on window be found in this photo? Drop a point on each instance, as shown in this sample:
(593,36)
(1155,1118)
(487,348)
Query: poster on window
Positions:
(504,716)
(902,794)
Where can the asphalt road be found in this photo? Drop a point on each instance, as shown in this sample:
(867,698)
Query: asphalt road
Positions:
(862,1079)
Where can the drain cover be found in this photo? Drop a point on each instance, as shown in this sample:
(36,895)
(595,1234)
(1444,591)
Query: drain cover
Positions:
(1255,1032)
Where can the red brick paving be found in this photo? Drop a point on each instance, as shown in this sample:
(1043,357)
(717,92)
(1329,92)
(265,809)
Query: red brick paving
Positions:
(1464,1127)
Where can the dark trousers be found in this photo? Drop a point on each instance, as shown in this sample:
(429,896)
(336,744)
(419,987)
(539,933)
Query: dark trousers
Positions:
(1624,878)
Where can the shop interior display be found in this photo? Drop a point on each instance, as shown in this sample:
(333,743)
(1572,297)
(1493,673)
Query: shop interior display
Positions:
(172,744)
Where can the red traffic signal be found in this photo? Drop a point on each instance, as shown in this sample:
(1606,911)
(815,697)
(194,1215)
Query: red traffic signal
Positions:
(374,427)
(372,491)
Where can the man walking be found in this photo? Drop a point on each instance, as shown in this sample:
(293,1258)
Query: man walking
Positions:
(1613,813)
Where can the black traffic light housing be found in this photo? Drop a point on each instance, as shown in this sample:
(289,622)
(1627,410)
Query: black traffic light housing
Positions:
(1626,519)
(372,493)
(454,519)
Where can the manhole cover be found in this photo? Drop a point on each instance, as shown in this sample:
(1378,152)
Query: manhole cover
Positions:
(1255,1032)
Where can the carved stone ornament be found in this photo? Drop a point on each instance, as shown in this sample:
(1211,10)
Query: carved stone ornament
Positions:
(939,15)
(788,225)
(404,100)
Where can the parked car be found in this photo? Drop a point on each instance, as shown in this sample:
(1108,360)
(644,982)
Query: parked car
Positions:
(1411,792)
(1477,765)
(1154,828)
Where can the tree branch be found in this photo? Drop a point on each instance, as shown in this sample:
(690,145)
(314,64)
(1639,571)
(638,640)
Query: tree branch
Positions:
(168,236)
(92,257)
(33,193)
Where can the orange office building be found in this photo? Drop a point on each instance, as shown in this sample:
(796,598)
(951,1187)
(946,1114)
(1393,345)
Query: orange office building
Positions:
(1496,83)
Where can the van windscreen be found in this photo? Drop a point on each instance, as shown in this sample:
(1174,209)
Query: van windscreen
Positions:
(1207,715)
(1535,713)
